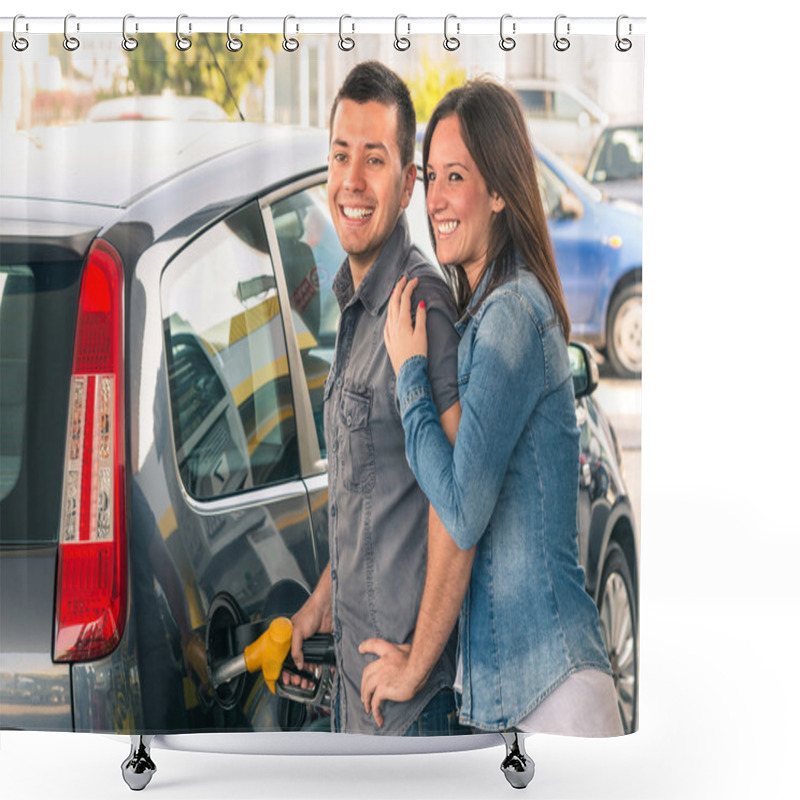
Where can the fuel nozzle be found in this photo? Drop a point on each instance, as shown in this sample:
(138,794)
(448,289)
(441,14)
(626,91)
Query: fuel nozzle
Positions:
(266,653)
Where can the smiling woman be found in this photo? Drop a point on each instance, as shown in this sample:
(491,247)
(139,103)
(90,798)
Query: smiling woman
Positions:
(459,205)
(506,491)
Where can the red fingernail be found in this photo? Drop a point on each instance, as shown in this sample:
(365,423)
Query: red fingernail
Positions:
(422,304)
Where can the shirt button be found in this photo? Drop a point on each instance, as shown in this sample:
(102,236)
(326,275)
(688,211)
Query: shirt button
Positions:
(333,574)
(338,383)
(349,420)
(333,511)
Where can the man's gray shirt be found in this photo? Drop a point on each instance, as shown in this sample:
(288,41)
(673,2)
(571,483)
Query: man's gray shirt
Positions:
(378,515)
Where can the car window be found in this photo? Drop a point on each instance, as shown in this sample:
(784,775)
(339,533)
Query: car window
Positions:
(536,102)
(566,107)
(233,418)
(619,157)
(551,187)
(38,304)
(16,317)
(311,256)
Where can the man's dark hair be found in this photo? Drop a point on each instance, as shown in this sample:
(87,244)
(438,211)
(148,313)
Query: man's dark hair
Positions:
(372,81)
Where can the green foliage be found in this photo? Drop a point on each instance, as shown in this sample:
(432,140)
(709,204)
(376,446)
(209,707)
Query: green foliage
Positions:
(157,64)
(431,83)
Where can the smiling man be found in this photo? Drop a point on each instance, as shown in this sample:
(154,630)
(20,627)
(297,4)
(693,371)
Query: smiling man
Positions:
(378,516)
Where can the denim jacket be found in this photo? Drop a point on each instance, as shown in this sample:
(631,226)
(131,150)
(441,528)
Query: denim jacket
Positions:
(509,486)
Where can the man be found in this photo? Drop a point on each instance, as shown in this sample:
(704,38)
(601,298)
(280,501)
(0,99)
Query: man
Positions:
(378,516)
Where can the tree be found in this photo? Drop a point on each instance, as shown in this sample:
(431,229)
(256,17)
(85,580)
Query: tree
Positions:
(206,69)
(431,83)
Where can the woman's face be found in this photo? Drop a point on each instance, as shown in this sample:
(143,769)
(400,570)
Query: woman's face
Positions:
(460,207)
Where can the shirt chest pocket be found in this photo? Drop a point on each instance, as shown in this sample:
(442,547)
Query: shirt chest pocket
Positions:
(358,453)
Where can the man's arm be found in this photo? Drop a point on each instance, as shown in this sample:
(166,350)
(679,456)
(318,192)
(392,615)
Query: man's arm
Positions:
(400,672)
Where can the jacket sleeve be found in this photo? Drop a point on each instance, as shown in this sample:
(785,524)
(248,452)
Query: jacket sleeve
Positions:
(506,381)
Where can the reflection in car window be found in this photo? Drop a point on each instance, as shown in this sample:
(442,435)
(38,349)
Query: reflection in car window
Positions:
(232,414)
(311,256)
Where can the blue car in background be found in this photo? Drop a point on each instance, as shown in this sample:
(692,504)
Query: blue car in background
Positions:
(598,250)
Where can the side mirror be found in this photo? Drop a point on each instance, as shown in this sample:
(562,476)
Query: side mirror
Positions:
(570,205)
(585,375)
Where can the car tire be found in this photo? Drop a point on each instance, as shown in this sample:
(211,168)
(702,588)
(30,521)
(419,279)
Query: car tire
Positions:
(616,603)
(624,331)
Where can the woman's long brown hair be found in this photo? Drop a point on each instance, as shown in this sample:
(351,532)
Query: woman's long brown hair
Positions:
(494,131)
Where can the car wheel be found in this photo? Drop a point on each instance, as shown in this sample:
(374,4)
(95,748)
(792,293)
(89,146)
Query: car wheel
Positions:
(624,336)
(617,605)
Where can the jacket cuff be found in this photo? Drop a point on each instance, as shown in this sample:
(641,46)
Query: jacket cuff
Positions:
(412,382)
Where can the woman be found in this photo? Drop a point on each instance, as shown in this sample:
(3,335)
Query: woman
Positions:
(531,654)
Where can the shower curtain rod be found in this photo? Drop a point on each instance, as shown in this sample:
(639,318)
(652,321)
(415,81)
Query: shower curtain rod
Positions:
(300,25)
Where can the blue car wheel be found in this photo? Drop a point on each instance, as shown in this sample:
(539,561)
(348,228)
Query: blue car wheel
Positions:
(624,332)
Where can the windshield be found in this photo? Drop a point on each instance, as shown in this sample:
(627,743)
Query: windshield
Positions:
(618,156)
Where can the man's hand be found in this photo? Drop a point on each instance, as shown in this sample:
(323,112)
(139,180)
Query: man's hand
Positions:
(389,677)
(314,616)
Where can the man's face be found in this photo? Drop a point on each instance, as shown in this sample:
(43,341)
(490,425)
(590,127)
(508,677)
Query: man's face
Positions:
(368,187)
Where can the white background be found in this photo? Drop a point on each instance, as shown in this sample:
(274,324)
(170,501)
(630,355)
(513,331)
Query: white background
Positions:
(720,607)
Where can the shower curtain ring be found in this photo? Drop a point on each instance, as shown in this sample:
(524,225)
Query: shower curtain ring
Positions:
(181,42)
(128,42)
(507,42)
(451,42)
(70,42)
(561,43)
(289,44)
(401,43)
(345,42)
(19,43)
(623,45)
(233,44)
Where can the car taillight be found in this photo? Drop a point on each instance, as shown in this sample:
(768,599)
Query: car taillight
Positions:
(91,589)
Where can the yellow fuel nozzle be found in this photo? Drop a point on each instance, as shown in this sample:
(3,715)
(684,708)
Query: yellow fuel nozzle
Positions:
(269,651)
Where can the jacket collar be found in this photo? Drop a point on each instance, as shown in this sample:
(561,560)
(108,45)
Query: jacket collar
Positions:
(476,295)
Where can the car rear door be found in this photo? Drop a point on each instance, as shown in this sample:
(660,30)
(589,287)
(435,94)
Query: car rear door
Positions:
(40,269)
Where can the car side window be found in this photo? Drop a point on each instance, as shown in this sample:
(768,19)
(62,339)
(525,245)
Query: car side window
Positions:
(233,418)
(551,189)
(566,107)
(536,102)
(311,256)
